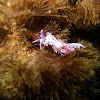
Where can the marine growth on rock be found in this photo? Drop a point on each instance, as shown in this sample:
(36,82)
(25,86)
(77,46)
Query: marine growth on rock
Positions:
(60,62)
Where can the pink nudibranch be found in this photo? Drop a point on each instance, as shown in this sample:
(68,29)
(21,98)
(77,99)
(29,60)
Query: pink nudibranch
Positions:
(57,45)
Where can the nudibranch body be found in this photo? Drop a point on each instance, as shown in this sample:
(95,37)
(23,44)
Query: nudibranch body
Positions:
(57,45)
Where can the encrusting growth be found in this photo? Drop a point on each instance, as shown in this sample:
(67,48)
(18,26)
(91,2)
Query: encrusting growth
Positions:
(55,69)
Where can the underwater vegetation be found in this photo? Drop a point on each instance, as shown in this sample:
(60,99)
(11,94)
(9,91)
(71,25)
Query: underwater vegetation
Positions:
(29,72)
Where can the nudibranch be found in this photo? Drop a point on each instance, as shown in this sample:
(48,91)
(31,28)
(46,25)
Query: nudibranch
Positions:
(57,44)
